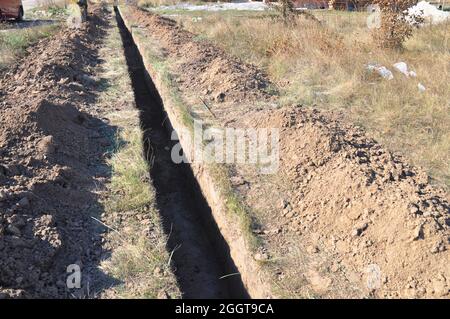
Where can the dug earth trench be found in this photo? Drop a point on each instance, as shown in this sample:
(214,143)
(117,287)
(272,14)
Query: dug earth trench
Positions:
(59,133)
(342,217)
(201,257)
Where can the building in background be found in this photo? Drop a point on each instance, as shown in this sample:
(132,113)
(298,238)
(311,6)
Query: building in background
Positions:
(350,5)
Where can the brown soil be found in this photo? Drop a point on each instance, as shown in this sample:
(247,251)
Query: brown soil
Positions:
(342,210)
(200,254)
(53,141)
(340,206)
(219,76)
(348,201)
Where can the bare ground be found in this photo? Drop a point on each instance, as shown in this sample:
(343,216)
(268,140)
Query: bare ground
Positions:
(52,143)
(343,217)
(57,142)
(342,210)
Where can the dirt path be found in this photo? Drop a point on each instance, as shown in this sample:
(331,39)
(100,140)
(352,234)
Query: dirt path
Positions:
(199,253)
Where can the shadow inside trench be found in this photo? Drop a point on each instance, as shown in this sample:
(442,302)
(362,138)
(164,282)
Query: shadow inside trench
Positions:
(201,256)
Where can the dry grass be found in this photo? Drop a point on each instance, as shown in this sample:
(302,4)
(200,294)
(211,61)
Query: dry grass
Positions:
(139,259)
(155,3)
(49,4)
(323,65)
(14,42)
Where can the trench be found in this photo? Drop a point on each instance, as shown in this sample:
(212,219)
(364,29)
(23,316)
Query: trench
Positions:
(201,257)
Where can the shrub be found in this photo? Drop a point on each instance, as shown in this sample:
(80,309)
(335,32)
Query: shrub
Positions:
(396,24)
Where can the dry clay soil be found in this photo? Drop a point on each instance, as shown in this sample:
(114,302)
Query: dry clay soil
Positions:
(53,142)
(342,217)
(342,195)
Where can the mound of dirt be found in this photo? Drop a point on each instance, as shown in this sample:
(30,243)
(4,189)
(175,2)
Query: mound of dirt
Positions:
(366,223)
(217,74)
(364,206)
(51,163)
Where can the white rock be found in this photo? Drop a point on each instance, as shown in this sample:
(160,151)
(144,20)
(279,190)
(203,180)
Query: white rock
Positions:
(421,87)
(428,12)
(381,70)
(402,67)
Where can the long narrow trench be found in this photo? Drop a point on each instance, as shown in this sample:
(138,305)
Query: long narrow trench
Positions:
(201,258)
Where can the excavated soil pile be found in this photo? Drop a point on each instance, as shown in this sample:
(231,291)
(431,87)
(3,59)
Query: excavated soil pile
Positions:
(362,205)
(350,200)
(217,75)
(51,147)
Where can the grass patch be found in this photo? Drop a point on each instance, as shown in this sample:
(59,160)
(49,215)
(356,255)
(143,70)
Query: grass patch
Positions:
(139,259)
(130,173)
(157,3)
(13,43)
(48,9)
(323,65)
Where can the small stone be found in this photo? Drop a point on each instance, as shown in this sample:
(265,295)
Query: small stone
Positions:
(63,81)
(354,214)
(438,247)
(220,97)
(237,180)
(46,145)
(13,230)
(413,209)
(162,294)
(289,214)
(157,271)
(418,233)
(275,231)
(312,249)
(24,202)
(359,230)
(260,257)
(287,209)
(283,203)
(334,268)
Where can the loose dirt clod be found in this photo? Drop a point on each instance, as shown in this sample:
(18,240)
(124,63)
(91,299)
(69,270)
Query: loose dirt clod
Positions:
(361,203)
(49,160)
(220,76)
(343,217)
(349,209)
